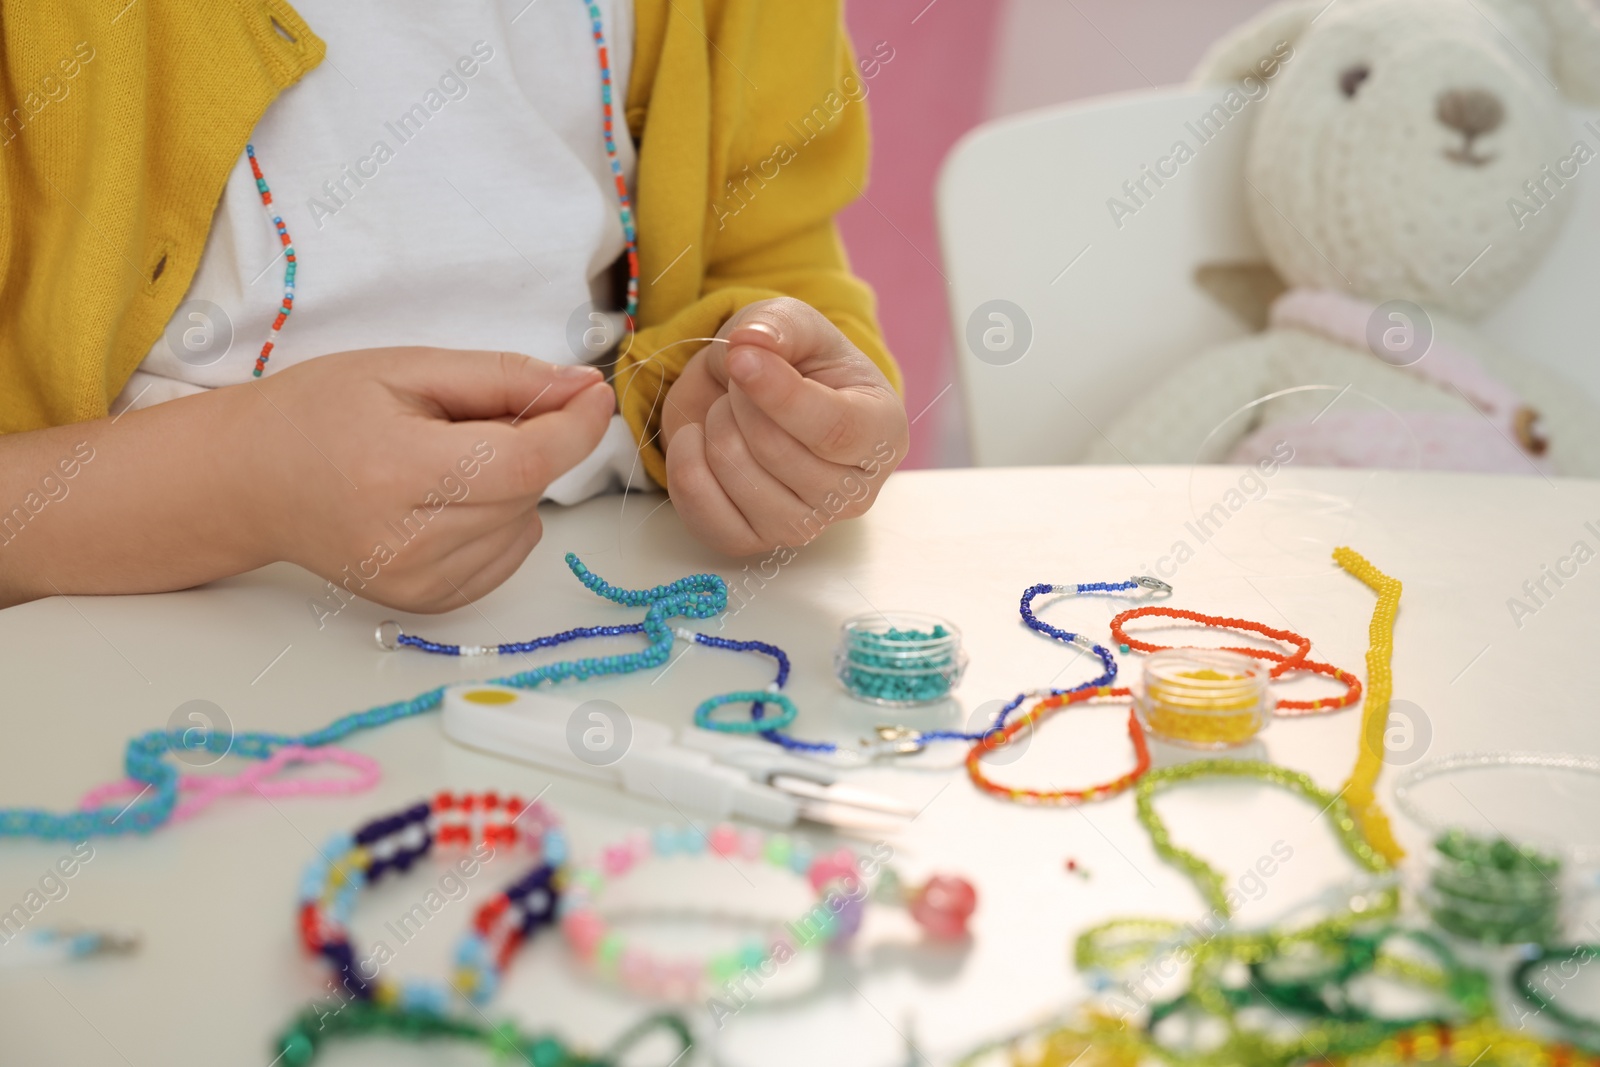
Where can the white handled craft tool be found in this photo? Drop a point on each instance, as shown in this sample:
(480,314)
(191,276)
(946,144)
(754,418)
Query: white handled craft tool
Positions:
(702,773)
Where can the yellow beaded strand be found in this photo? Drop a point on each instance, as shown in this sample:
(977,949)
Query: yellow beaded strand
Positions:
(1359,790)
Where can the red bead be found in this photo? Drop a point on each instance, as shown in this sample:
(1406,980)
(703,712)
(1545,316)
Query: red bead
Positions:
(443,801)
(491,799)
(308,926)
(507,949)
(943,906)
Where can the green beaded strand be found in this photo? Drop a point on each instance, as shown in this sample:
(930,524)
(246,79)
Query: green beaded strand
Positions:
(302,1040)
(1207,878)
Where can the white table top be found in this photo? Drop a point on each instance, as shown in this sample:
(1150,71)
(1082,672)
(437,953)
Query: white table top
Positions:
(220,970)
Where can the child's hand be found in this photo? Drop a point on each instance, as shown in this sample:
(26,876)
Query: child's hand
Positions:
(768,435)
(439,456)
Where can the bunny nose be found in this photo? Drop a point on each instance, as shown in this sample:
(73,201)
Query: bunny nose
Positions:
(1471,111)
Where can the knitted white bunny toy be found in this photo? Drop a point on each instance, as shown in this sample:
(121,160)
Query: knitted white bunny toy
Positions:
(1413,151)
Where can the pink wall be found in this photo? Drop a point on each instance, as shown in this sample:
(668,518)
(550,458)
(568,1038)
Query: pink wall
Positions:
(934,89)
(957,63)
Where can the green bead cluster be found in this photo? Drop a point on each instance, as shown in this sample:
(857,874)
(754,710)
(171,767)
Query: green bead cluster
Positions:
(300,1043)
(1488,889)
(1245,980)
(896,666)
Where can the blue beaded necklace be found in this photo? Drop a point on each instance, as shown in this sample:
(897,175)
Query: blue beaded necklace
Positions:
(1033,622)
(899,739)
(698,596)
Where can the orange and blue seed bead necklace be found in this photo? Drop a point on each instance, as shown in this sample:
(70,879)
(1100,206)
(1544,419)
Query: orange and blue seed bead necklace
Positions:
(624,203)
(287,308)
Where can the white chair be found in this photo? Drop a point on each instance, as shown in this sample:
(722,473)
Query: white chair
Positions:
(1111,304)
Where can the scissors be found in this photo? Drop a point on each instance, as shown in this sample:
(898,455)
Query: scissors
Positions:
(716,775)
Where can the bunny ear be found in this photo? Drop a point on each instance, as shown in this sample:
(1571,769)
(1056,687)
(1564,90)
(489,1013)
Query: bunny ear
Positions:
(1575,31)
(1246,47)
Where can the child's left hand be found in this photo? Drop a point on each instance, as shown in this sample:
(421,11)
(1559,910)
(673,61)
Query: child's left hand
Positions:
(766,435)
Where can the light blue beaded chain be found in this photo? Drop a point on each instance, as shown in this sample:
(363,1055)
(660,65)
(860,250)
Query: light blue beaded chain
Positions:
(698,596)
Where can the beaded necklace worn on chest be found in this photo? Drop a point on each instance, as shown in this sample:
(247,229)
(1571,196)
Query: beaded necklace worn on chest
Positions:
(613,159)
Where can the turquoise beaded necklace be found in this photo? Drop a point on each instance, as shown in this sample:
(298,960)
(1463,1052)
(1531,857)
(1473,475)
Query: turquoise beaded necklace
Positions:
(698,596)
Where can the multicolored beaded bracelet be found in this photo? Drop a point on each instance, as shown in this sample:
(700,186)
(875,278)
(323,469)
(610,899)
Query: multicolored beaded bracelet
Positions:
(1036,714)
(301,1041)
(477,825)
(1284,662)
(698,596)
(841,879)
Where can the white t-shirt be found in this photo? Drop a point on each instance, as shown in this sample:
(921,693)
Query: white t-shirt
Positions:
(444,180)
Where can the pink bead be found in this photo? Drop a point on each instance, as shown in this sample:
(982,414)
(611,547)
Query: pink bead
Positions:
(638,846)
(725,840)
(635,970)
(832,867)
(752,843)
(943,905)
(616,860)
(683,981)
(584,929)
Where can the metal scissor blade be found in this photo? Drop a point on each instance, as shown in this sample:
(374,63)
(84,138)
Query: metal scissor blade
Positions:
(836,795)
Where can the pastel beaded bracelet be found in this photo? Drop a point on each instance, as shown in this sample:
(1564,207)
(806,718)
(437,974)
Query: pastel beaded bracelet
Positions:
(840,879)
(474,827)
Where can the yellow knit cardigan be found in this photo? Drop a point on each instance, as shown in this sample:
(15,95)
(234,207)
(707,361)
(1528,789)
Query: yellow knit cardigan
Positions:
(120,123)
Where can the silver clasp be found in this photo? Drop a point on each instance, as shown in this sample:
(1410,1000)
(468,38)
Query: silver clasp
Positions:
(1155,584)
(897,741)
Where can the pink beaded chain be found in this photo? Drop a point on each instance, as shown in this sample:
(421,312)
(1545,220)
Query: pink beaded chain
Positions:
(205,789)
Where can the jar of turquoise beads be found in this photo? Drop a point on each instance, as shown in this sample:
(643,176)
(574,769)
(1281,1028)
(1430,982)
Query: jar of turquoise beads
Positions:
(901,659)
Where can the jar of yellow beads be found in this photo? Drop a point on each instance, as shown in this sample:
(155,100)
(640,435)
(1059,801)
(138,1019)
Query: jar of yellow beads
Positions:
(1202,697)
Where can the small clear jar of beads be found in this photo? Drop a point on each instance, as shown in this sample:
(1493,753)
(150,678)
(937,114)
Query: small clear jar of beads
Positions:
(902,659)
(1486,888)
(1202,697)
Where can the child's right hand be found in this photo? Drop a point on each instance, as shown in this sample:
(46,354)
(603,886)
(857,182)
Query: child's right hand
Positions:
(319,464)
(413,475)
